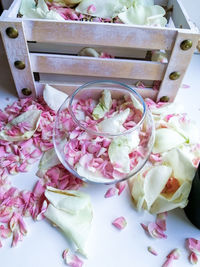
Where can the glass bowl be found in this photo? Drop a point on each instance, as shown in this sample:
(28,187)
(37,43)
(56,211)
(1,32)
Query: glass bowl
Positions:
(104,132)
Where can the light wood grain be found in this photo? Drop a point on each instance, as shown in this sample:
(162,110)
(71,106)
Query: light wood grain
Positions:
(118,68)
(87,33)
(179,61)
(70,88)
(17,49)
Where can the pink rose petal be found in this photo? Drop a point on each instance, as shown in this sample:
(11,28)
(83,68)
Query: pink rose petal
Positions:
(13,222)
(91,9)
(5,232)
(193,245)
(120,223)
(193,258)
(121,186)
(152,251)
(168,263)
(71,259)
(111,192)
(144,227)
(16,238)
(161,220)
(155,231)
(174,254)
(22,226)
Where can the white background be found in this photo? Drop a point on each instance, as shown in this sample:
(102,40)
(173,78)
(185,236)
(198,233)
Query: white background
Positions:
(108,247)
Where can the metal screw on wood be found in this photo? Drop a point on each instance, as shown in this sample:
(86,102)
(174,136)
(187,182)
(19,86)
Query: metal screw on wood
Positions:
(174,75)
(12,32)
(26,91)
(20,65)
(186,45)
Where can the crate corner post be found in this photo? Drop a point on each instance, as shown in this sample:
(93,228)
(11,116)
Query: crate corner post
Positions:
(15,44)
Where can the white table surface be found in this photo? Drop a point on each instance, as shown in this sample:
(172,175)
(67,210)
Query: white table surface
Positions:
(108,247)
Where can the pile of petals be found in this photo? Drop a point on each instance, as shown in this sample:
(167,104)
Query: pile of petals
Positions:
(165,181)
(140,12)
(98,156)
(24,138)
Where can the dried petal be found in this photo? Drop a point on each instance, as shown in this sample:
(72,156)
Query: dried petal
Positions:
(121,186)
(168,263)
(161,220)
(72,260)
(155,231)
(22,226)
(16,237)
(152,251)
(174,254)
(13,222)
(193,245)
(193,258)
(120,223)
(41,216)
(111,192)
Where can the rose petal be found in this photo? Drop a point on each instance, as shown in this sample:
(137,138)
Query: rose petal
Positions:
(168,263)
(152,251)
(174,254)
(193,258)
(161,220)
(121,186)
(120,223)
(193,245)
(71,259)
(155,231)
(111,192)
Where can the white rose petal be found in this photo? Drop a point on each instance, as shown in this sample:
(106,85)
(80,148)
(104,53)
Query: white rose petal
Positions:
(181,164)
(154,182)
(32,117)
(71,211)
(114,125)
(53,97)
(166,139)
(179,199)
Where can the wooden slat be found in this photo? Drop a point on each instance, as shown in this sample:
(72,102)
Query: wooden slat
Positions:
(17,49)
(108,68)
(74,49)
(92,33)
(70,88)
(179,61)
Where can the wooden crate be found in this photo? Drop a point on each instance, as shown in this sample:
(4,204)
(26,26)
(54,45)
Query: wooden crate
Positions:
(49,51)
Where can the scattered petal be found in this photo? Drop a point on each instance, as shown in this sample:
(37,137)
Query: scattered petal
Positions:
(111,192)
(120,223)
(121,186)
(193,258)
(155,231)
(193,245)
(174,254)
(71,259)
(152,251)
(161,220)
